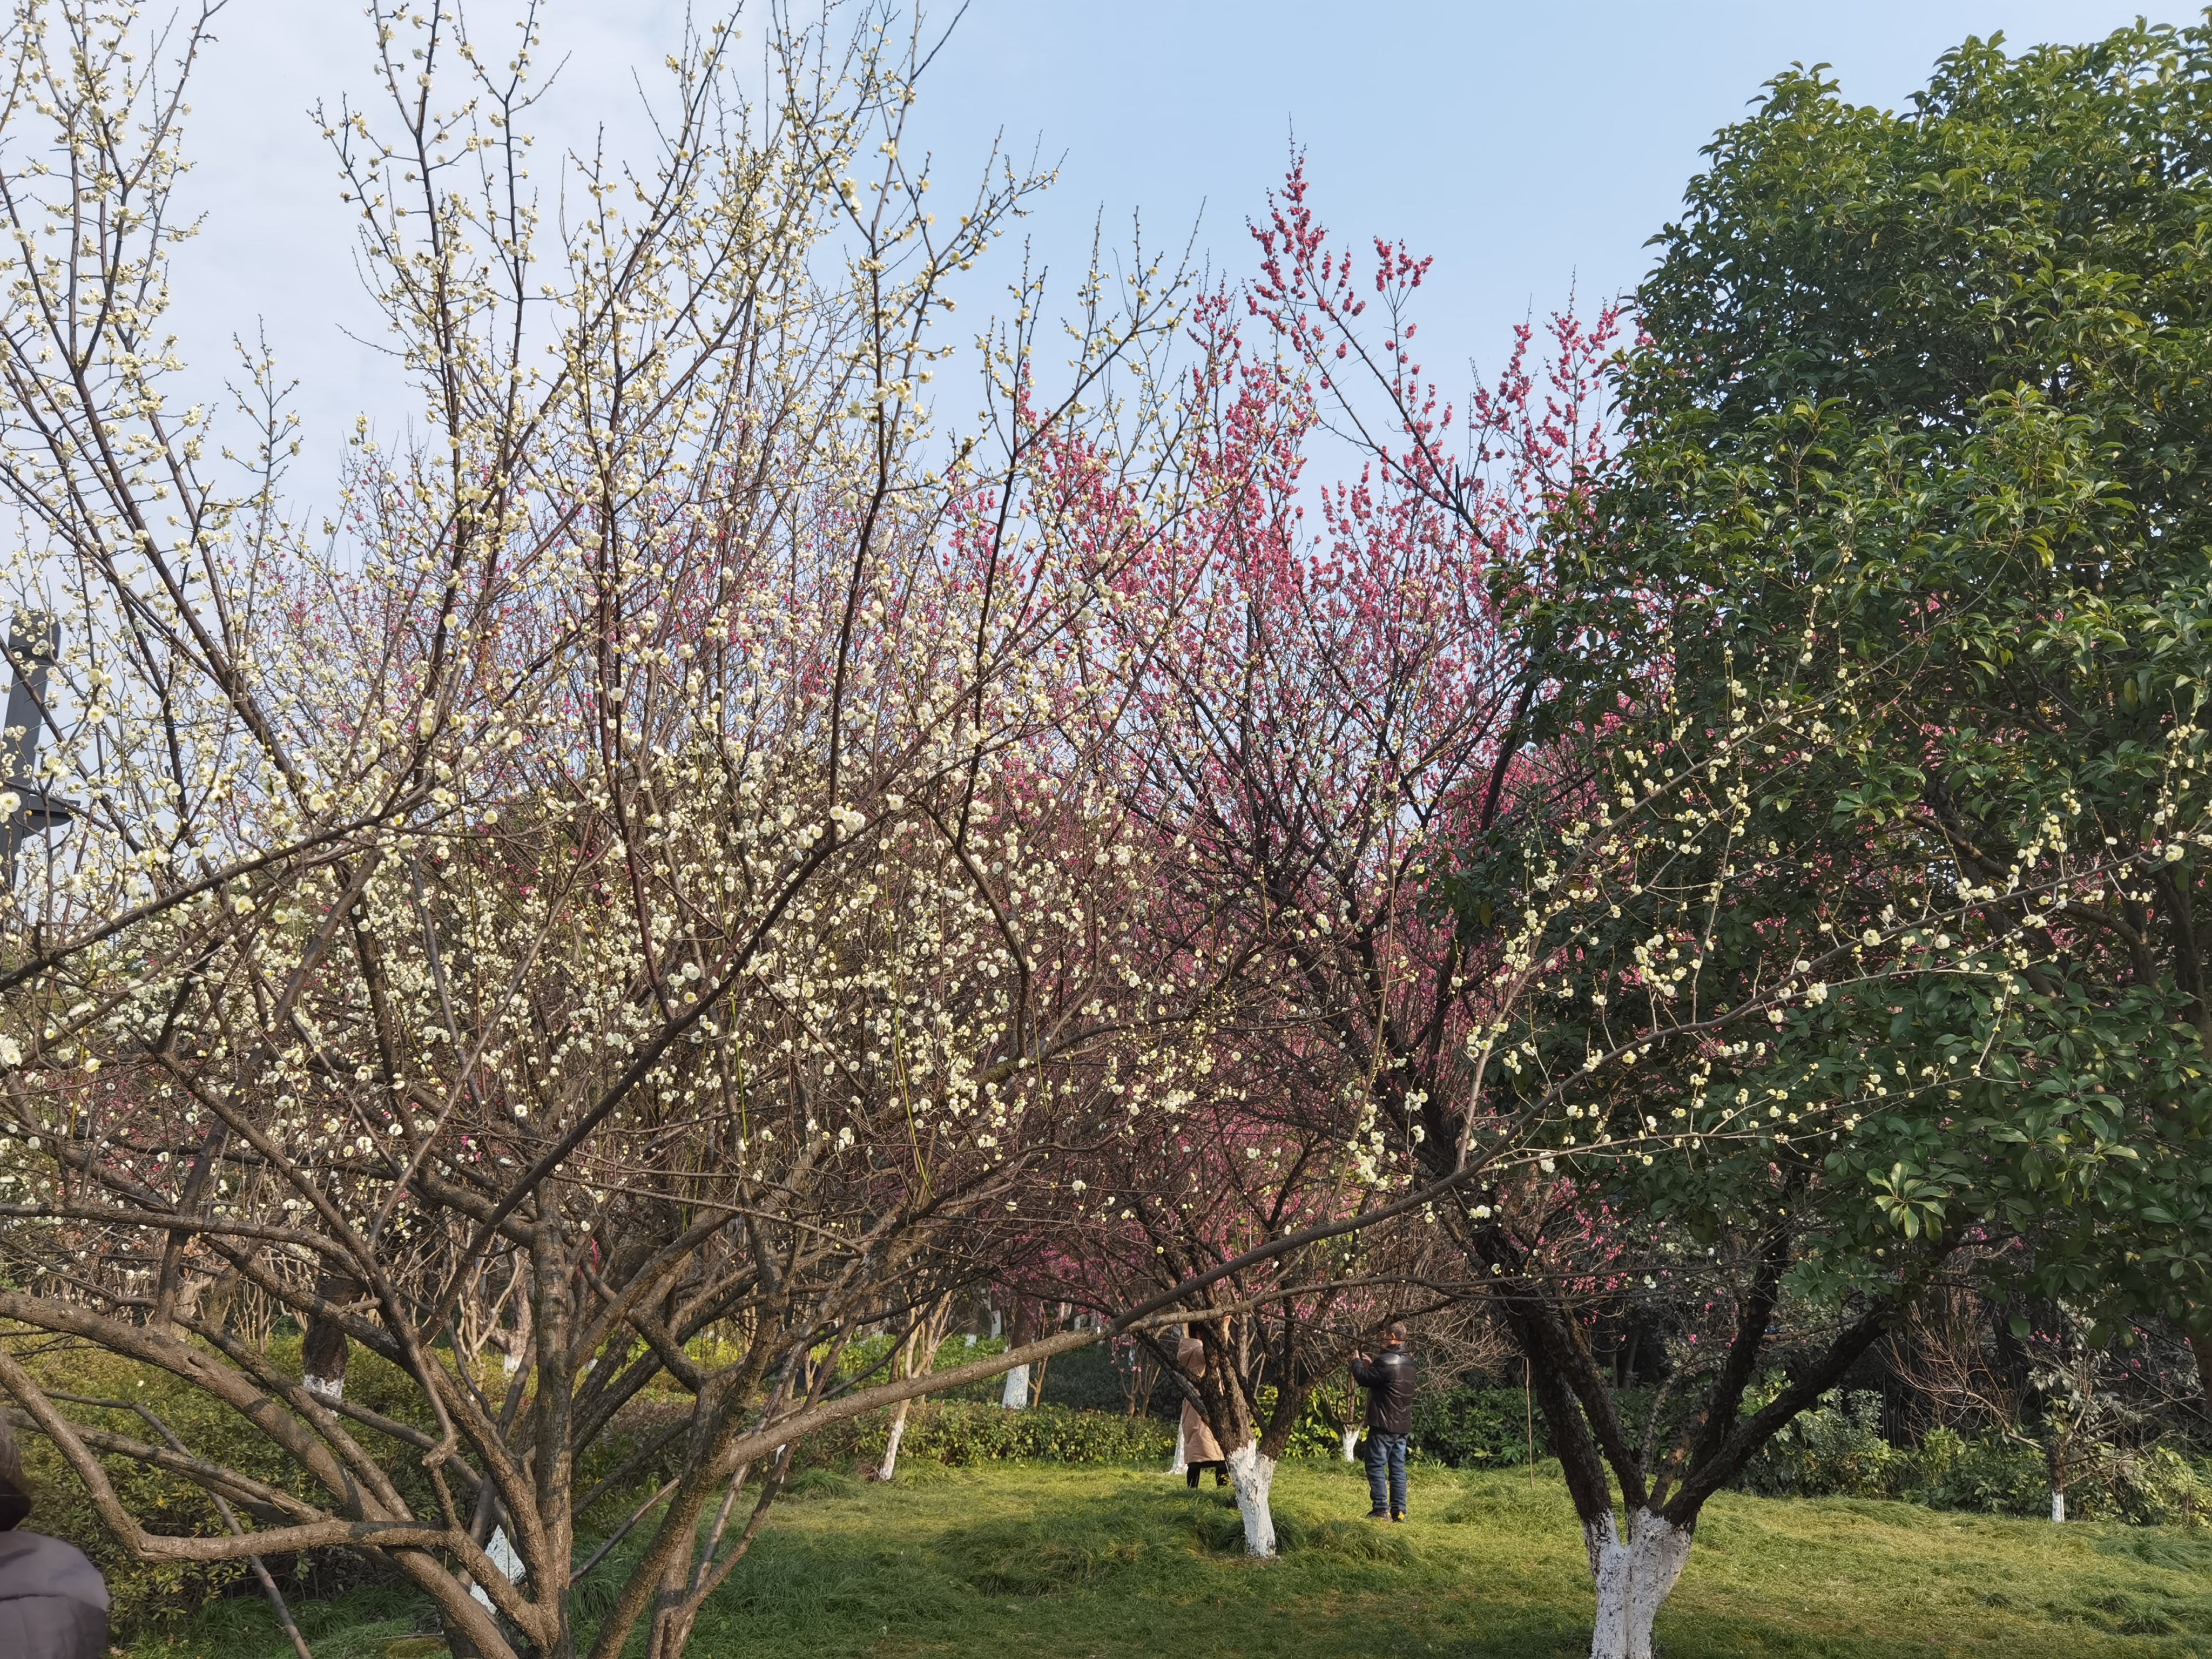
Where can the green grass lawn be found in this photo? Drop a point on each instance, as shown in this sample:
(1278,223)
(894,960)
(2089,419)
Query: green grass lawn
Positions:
(1073,1563)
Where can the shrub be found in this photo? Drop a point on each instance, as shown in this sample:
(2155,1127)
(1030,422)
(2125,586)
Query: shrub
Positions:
(960,1432)
(1477,1428)
(1315,1434)
(2161,1488)
(1986,1474)
(1834,1451)
(1837,1451)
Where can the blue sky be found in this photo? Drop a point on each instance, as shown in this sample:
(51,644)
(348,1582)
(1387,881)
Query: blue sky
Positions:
(1530,149)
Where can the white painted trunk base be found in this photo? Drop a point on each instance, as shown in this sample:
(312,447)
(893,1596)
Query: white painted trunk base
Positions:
(1252,1477)
(1351,1445)
(1178,1467)
(1016,1395)
(325,1388)
(2058,1506)
(1633,1579)
(889,1467)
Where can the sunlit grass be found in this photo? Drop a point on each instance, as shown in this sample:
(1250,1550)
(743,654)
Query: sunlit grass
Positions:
(1117,1564)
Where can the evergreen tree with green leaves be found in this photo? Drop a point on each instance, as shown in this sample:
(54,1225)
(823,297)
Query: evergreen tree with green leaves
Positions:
(1919,425)
(1900,592)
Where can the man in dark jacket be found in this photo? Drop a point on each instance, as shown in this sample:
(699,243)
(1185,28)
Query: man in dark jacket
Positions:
(1388,1380)
(53,1604)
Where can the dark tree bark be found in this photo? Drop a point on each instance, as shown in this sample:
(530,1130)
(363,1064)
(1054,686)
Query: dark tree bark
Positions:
(323,1353)
(1637,1552)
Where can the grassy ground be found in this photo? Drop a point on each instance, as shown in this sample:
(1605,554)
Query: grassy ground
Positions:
(1119,1563)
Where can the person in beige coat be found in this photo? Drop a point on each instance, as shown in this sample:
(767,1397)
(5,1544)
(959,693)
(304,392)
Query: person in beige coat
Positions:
(1200,1449)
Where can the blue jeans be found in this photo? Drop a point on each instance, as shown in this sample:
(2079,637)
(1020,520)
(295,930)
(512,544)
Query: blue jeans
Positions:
(1385,1452)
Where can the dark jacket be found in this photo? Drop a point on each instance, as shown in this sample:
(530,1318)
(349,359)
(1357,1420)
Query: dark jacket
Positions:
(52,1603)
(1389,1385)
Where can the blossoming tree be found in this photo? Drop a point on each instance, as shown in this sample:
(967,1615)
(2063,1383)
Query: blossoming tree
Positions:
(612,900)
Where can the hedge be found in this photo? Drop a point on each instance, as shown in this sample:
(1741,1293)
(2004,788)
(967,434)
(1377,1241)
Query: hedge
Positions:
(959,1433)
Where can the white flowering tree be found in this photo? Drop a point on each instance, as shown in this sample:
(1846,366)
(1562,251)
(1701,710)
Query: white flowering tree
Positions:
(623,892)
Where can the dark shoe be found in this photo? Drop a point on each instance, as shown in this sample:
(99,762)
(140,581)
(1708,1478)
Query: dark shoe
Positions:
(1399,1516)
(1379,1515)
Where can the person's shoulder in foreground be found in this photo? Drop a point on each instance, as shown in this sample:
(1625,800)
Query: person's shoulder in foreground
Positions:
(53,1603)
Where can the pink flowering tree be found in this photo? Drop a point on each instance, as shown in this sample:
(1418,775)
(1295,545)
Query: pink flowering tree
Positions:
(1244,1197)
(1307,720)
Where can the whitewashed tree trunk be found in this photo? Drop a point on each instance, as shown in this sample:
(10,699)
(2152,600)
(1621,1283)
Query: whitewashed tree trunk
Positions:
(1252,1477)
(2057,1505)
(332,1388)
(889,1467)
(1178,1467)
(1351,1445)
(1016,1395)
(917,1356)
(1632,1579)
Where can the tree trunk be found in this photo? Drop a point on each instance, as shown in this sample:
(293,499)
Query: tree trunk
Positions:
(917,1357)
(323,1353)
(1252,1474)
(1022,1331)
(1178,1466)
(2201,1347)
(674,1620)
(1351,1445)
(516,1342)
(1632,1579)
(889,1467)
(2058,1505)
(457,1644)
